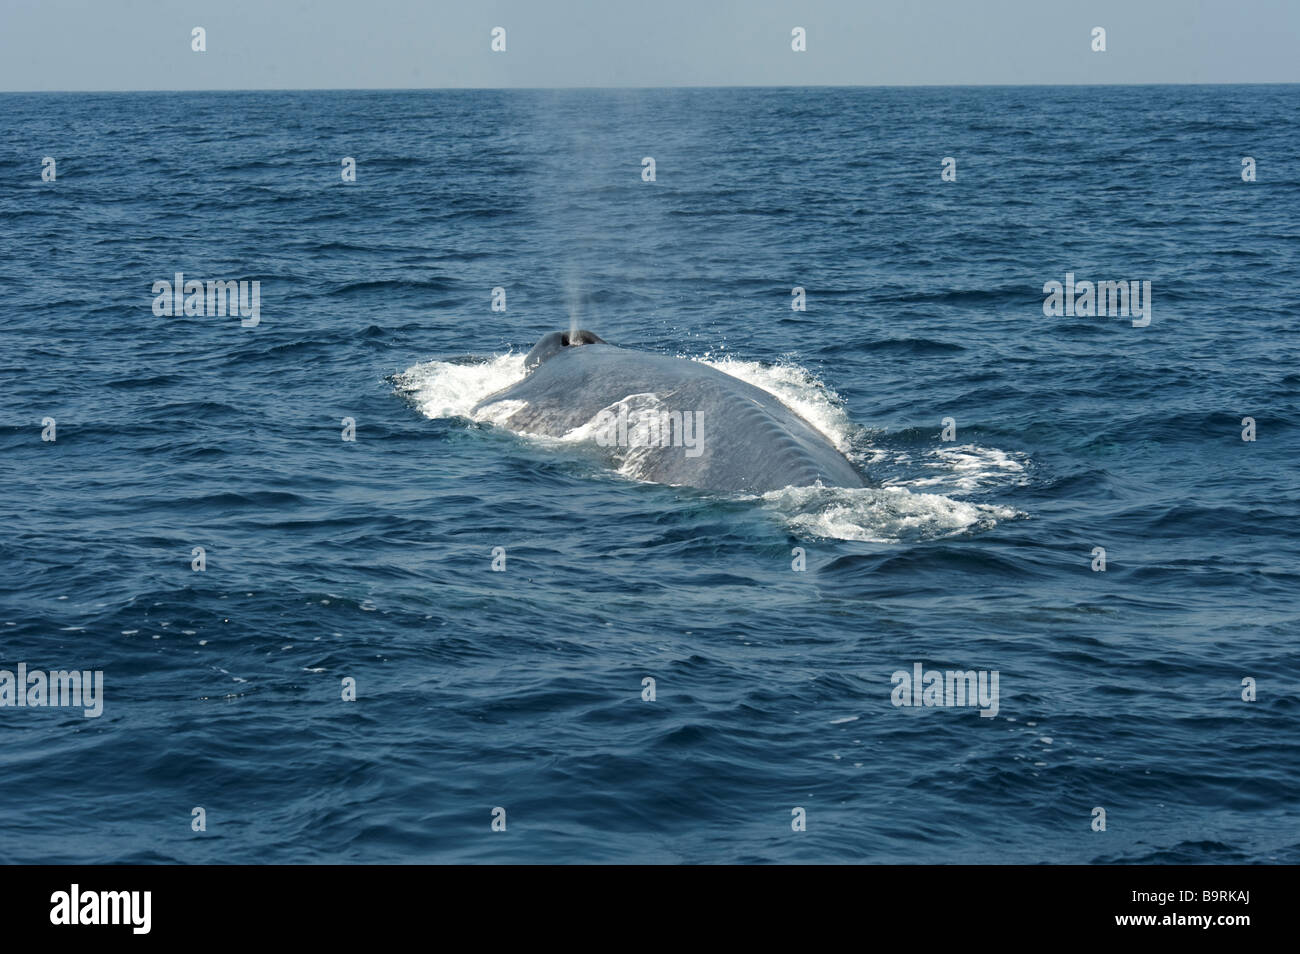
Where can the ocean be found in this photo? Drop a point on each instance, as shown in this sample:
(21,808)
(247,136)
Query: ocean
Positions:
(274,532)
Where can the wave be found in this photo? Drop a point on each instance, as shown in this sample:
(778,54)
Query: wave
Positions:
(395,286)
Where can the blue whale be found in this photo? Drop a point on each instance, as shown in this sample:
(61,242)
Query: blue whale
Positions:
(668,420)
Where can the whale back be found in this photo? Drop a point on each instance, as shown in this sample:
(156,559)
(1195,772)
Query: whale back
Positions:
(748,441)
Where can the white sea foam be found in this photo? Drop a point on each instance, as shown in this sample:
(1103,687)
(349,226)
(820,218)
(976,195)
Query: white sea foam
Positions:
(961,468)
(451,388)
(879,514)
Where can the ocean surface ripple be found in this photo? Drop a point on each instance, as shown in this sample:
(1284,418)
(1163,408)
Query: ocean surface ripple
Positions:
(372,559)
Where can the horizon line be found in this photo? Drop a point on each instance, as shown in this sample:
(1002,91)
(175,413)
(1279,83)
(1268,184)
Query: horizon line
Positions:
(435,89)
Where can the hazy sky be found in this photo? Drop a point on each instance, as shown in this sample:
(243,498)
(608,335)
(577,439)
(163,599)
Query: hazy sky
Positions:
(347,44)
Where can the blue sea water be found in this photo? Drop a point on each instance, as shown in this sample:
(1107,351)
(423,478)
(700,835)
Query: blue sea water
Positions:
(372,559)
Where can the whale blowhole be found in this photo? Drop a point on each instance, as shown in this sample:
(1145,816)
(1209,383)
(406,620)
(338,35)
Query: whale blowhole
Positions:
(582,337)
(554,343)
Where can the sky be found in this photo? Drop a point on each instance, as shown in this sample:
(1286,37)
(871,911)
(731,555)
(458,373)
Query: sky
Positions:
(386,44)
